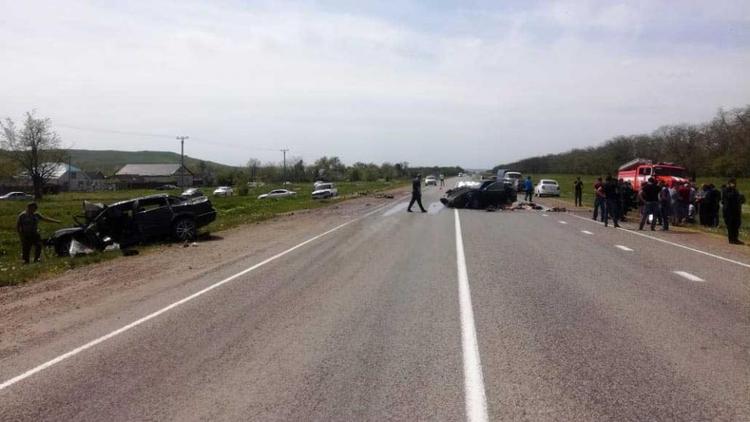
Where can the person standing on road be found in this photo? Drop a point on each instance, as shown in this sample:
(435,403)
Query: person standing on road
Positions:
(529,188)
(733,200)
(650,197)
(598,198)
(442,181)
(27,226)
(665,205)
(611,201)
(416,193)
(578,189)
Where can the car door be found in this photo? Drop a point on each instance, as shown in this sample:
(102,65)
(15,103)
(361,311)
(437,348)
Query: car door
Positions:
(153,217)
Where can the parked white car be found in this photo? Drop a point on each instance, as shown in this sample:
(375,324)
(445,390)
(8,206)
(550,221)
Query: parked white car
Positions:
(16,196)
(277,193)
(547,187)
(324,190)
(224,191)
(430,180)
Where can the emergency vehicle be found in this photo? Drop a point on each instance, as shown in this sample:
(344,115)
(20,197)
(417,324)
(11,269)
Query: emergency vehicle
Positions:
(639,170)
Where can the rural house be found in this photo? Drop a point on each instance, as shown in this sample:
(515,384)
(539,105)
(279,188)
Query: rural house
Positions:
(64,176)
(151,175)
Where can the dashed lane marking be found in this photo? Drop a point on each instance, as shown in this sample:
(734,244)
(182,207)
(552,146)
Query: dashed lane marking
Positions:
(586,232)
(742,264)
(562,222)
(624,248)
(689,276)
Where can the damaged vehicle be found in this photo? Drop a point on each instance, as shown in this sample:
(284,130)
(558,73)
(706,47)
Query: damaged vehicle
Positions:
(135,221)
(490,194)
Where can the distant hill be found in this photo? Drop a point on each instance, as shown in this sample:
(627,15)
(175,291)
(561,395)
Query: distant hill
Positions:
(108,161)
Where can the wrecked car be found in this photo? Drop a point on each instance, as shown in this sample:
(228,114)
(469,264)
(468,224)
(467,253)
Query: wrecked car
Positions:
(135,221)
(490,194)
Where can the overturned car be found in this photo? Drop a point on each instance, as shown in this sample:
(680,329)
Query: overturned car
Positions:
(135,221)
(488,194)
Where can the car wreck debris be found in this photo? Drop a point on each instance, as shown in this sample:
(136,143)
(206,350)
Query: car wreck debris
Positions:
(133,222)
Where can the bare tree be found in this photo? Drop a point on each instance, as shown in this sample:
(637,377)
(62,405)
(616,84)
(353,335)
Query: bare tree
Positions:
(36,148)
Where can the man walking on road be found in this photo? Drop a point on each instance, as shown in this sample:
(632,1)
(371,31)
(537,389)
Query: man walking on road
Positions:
(578,189)
(27,226)
(611,204)
(733,200)
(650,197)
(416,193)
(528,186)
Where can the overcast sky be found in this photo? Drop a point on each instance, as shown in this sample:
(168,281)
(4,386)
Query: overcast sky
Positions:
(433,82)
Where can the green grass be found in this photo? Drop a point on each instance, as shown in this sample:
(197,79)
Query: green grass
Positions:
(232,211)
(566,194)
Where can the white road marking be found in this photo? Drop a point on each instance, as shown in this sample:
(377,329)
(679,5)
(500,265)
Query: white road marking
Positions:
(742,264)
(689,276)
(545,215)
(562,222)
(624,248)
(153,315)
(474,394)
(586,232)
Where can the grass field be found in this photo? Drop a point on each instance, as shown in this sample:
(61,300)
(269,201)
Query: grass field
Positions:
(566,195)
(232,211)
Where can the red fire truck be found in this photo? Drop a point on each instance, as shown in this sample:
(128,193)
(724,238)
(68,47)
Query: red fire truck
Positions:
(639,170)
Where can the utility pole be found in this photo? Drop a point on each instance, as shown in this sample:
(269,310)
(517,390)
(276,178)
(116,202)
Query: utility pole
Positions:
(182,159)
(284,151)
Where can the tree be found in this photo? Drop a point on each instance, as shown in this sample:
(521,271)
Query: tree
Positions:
(252,166)
(35,148)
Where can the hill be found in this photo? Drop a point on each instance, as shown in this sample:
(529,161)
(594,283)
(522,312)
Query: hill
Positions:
(720,147)
(109,161)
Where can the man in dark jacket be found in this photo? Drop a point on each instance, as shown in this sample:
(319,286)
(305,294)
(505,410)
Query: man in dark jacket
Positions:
(732,200)
(416,193)
(649,195)
(578,189)
(27,226)
(611,201)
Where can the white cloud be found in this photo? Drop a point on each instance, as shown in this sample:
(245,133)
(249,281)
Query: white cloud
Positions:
(362,87)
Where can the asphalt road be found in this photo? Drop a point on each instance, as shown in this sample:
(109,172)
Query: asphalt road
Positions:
(544,316)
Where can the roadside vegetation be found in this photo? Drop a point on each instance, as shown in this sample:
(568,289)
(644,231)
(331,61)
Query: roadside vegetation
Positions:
(232,211)
(720,147)
(567,197)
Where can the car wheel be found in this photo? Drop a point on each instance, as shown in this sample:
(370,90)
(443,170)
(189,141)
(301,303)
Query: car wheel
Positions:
(184,229)
(62,246)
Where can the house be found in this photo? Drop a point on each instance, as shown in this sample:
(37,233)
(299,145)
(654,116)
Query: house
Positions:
(150,175)
(98,181)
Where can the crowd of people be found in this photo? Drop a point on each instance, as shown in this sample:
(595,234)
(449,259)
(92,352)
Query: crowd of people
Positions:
(665,205)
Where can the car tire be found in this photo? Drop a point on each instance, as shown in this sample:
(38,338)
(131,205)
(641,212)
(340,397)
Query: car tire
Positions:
(184,229)
(62,246)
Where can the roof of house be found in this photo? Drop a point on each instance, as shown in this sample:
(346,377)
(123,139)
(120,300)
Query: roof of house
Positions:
(60,169)
(95,174)
(149,170)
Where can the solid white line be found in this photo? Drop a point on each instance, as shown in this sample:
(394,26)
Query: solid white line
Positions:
(624,248)
(153,315)
(586,232)
(742,264)
(476,401)
(689,276)
(562,222)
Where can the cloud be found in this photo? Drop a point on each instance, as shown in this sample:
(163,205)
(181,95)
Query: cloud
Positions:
(469,86)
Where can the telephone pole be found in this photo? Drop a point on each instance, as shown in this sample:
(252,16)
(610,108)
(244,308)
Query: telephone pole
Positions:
(182,159)
(284,151)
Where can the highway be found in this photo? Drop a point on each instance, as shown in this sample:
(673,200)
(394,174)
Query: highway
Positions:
(388,315)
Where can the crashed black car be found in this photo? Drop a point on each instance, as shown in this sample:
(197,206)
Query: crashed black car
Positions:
(135,221)
(489,194)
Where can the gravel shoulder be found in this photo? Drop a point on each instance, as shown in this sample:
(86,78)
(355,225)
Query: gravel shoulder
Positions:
(82,300)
